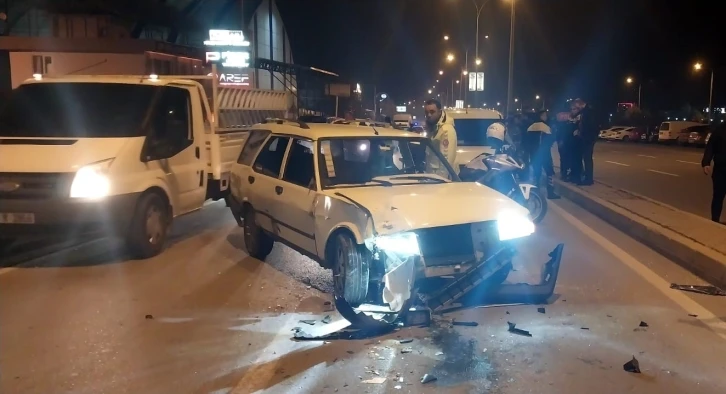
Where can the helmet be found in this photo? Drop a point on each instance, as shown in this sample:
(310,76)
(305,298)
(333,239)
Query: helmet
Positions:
(496,131)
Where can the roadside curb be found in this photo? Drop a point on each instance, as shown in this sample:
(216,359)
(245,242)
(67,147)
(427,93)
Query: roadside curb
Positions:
(703,261)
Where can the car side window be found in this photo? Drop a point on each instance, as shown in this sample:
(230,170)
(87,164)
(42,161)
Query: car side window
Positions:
(253,144)
(269,161)
(300,166)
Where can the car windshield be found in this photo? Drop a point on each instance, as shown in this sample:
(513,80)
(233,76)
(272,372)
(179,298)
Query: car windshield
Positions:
(472,132)
(76,110)
(381,161)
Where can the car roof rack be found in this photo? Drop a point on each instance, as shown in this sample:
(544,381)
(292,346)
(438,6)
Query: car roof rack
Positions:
(300,123)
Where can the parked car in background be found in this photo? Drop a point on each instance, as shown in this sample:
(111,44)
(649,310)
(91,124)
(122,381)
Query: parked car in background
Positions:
(624,134)
(697,135)
(605,133)
(668,131)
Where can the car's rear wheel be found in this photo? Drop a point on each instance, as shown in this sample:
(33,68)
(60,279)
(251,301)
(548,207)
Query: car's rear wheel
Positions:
(258,244)
(626,139)
(351,269)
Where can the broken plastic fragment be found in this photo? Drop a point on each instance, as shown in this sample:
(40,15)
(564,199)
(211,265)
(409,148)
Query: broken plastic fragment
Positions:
(465,323)
(643,324)
(428,379)
(692,315)
(326,319)
(308,322)
(514,330)
(707,290)
(375,381)
(632,366)
(406,350)
(398,283)
(407,340)
(541,310)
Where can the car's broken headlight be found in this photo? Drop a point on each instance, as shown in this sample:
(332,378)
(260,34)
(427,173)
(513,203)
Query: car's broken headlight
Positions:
(513,224)
(402,244)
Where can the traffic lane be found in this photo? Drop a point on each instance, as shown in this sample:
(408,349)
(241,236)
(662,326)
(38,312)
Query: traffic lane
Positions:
(650,171)
(676,182)
(215,324)
(660,151)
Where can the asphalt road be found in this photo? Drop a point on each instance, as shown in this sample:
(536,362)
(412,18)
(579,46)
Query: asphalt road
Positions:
(205,318)
(670,174)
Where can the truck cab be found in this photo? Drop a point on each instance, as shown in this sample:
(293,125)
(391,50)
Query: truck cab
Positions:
(119,155)
(471,131)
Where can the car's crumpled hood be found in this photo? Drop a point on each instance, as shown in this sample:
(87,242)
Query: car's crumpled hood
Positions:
(55,155)
(409,207)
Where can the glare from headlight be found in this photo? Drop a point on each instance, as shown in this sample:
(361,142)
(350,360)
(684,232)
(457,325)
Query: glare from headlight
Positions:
(403,244)
(512,225)
(90,182)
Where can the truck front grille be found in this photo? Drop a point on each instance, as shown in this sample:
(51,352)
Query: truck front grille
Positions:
(34,186)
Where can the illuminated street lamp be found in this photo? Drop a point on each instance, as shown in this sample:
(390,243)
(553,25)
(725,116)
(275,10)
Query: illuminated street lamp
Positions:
(537,97)
(430,91)
(465,73)
(441,72)
(446,38)
(457,81)
(629,81)
(450,57)
(478,62)
(698,66)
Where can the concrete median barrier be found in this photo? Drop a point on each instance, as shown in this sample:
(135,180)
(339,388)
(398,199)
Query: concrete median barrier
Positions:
(695,243)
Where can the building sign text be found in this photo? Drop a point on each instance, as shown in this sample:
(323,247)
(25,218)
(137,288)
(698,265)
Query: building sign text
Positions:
(230,52)
(231,79)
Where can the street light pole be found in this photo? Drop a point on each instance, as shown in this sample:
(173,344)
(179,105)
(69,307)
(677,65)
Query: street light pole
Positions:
(640,89)
(476,42)
(510,82)
(710,99)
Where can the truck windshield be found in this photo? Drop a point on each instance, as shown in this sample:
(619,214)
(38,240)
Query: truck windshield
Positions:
(76,110)
(472,132)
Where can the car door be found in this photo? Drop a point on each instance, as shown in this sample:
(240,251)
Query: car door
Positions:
(172,150)
(242,170)
(295,198)
(264,181)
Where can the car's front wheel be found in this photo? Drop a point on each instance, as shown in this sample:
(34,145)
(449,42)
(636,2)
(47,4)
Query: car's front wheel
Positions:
(351,269)
(258,244)
(149,227)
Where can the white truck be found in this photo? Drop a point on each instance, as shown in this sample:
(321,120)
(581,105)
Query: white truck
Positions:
(120,155)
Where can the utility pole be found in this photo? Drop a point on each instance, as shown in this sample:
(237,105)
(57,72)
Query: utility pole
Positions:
(710,99)
(510,82)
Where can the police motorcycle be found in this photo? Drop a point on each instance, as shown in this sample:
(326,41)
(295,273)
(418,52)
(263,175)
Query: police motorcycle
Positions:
(500,169)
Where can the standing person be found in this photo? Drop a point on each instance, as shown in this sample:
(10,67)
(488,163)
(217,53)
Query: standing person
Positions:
(441,130)
(563,130)
(541,140)
(575,143)
(587,133)
(716,152)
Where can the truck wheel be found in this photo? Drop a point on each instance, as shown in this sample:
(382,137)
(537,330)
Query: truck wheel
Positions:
(258,244)
(351,270)
(149,227)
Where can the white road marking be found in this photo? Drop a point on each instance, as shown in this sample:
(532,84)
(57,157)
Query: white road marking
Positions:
(688,162)
(615,162)
(663,172)
(689,305)
(650,157)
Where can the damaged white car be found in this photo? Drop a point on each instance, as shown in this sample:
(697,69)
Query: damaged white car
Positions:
(380,207)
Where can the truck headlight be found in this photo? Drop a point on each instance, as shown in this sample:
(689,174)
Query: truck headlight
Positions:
(91,181)
(513,224)
(402,244)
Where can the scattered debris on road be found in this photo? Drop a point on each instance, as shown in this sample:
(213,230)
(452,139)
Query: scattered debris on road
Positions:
(428,379)
(464,323)
(707,290)
(541,310)
(326,319)
(149,317)
(407,340)
(585,328)
(308,322)
(632,366)
(514,330)
(643,324)
(692,315)
(375,381)
(406,350)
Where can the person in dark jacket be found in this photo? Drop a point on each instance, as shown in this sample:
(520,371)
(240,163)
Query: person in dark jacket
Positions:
(585,138)
(716,152)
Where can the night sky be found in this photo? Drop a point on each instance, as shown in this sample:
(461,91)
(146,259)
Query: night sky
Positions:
(564,48)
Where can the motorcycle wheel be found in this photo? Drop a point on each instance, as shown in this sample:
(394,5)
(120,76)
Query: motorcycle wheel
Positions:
(537,206)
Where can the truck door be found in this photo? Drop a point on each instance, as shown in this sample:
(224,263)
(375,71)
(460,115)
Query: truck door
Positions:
(174,152)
